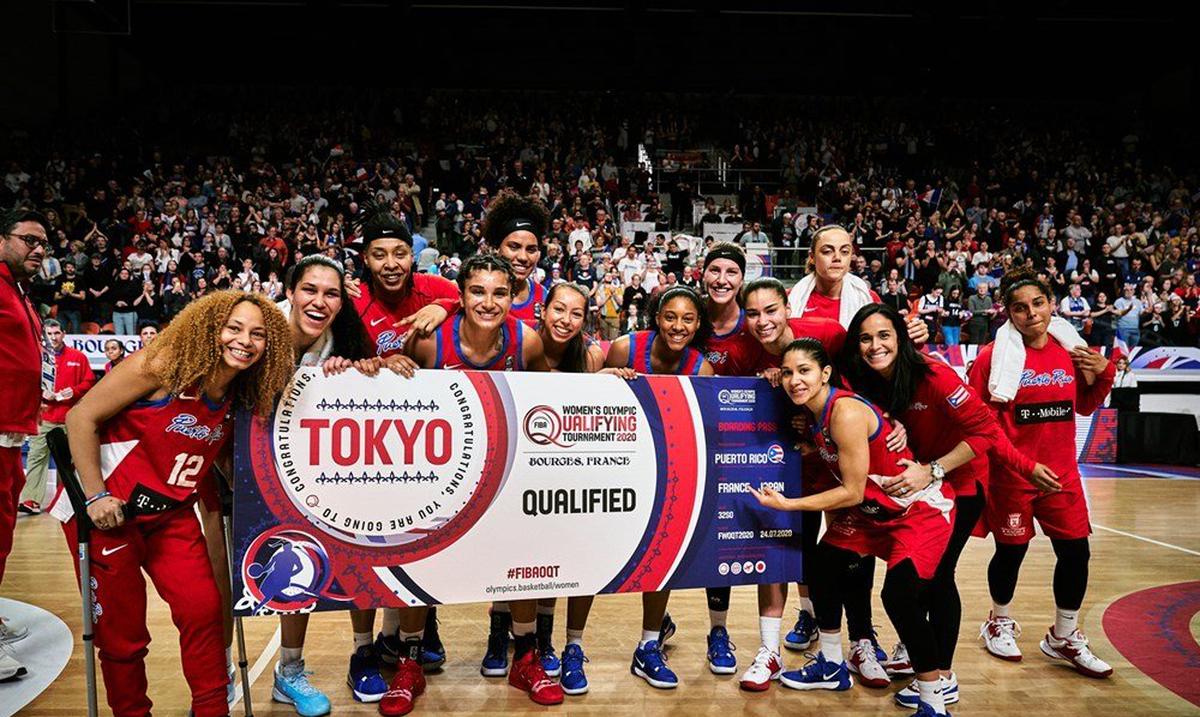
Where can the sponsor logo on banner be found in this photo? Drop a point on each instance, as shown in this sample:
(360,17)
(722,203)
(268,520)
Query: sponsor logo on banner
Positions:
(723,569)
(760,566)
(748,567)
(573,423)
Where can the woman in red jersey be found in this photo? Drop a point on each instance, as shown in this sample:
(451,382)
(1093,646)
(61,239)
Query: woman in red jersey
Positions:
(680,325)
(951,431)
(483,337)
(1035,377)
(908,532)
(148,435)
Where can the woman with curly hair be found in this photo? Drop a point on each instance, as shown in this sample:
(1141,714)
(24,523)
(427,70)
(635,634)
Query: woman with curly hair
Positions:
(147,439)
(514,227)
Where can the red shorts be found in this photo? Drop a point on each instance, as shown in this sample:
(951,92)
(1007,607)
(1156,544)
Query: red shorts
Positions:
(920,535)
(1013,505)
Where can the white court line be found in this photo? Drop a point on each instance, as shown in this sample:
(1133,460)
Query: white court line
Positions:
(1147,540)
(1142,472)
(258,667)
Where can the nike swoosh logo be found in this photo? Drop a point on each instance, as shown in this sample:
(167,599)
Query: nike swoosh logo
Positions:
(452,366)
(830,676)
(376,322)
(109,551)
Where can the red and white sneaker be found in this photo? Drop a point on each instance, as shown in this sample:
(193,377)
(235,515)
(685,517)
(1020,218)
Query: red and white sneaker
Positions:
(1000,637)
(1074,649)
(406,686)
(865,664)
(527,675)
(766,667)
(899,664)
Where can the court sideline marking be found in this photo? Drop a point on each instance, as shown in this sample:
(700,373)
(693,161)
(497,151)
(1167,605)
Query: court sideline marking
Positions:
(1147,540)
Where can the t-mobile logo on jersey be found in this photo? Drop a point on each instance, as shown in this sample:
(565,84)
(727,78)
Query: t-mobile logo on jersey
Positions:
(1051,412)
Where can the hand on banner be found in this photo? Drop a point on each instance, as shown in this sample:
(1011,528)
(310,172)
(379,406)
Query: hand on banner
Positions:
(624,372)
(1045,479)
(915,478)
(424,322)
(772,376)
(770,498)
(401,365)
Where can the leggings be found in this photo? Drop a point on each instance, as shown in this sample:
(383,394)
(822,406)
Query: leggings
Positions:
(945,606)
(1070,571)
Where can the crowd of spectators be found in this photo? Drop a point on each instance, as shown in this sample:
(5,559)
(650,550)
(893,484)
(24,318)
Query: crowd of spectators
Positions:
(153,208)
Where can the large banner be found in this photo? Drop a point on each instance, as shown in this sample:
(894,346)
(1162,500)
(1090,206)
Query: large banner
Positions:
(93,346)
(459,487)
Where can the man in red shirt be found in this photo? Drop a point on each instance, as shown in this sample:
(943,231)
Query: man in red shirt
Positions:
(23,245)
(72,378)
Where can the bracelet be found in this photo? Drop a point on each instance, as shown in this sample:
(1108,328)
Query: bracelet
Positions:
(98,496)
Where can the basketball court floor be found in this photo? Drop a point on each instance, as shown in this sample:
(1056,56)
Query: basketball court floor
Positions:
(1142,614)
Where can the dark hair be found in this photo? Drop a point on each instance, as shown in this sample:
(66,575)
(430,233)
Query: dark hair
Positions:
(893,396)
(485,262)
(350,339)
(142,325)
(813,347)
(1020,278)
(376,220)
(704,331)
(12,217)
(812,245)
(574,356)
(507,211)
(766,283)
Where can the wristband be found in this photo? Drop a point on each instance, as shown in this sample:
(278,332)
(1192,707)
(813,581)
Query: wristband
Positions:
(98,496)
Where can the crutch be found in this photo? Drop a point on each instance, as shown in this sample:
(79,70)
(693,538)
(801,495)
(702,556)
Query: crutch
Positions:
(57,441)
(225,491)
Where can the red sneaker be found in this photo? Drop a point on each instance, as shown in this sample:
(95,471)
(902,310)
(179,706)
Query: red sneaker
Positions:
(527,674)
(406,686)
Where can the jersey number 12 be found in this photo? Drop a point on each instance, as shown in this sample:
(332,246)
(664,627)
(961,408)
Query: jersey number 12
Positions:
(185,470)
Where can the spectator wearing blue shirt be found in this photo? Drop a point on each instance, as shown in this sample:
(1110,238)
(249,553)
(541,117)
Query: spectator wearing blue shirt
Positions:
(1129,313)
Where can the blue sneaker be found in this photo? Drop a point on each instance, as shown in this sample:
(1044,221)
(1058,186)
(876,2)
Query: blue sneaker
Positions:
(818,674)
(545,634)
(650,665)
(364,679)
(573,681)
(924,710)
(720,652)
(911,696)
(881,655)
(388,648)
(433,652)
(803,634)
(495,660)
(292,688)
(667,630)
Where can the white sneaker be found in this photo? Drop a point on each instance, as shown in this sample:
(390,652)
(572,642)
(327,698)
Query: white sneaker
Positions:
(1074,649)
(910,696)
(767,666)
(11,631)
(865,664)
(10,667)
(1000,637)
(899,664)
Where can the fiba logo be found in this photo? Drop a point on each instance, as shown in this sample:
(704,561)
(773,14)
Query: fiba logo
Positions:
(775,453)
(543,426)
(737,396)
(284,571)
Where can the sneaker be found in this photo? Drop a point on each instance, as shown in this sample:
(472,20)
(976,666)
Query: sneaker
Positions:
(11,632)
(230,692)
(767,666)
(1000,637)
(881,655)
(666,631)
(910,696)
(433,654)
(818,674)
(495,661)
(388,648)
(1074,649)
(650,664)
(29,507)
(292,688)
(11,668)
(720,652)
(899,664)
(545,635)
(803,634)
(527,675)
(573,680)
(864,662)
(364,678)
(924,710)
(406,686)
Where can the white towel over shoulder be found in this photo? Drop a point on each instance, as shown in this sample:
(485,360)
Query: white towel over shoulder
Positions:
(1008,356)
(856,293)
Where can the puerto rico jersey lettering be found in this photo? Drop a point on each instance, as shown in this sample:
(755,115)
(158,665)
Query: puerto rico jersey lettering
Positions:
(640,344)
(509,358)
(379,318)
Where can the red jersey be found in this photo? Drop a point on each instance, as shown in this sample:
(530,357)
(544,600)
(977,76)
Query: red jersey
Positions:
(71,370)
(640,345)
(379,318)
(1040,420)
(156,454)
(20,357)
(731,354)
(820,306)
(530,310)
(510,358)
(828,331)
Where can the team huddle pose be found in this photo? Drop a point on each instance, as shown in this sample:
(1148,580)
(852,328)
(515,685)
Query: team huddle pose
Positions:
(902,460)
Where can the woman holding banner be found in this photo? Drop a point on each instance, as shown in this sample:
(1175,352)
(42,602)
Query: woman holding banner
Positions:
(909,532)
(169,408)
(681,324)
(483,337)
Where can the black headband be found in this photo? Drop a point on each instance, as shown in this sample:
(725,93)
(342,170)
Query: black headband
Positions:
(519,224)
(371,233)
(729,253)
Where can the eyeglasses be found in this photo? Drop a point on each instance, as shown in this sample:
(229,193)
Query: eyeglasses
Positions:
(33,241)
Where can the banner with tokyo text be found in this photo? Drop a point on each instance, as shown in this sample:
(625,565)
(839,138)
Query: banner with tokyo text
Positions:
(458,487)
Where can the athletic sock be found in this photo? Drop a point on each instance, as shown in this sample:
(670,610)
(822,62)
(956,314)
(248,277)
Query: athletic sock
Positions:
(806,604)
(768,629)
(931,694)
(391,622)
(716,618)
(363,639)
(1065,622)
(999,610)
(523,628)
(290,655)
(412,644)
(648,636)
(574,637)
(831,647)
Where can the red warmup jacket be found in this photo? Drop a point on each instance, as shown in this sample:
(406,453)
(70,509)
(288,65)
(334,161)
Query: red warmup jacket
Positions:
(71,370)
(20,358)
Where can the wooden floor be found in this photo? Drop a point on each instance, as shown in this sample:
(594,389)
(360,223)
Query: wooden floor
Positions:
(1167,511)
